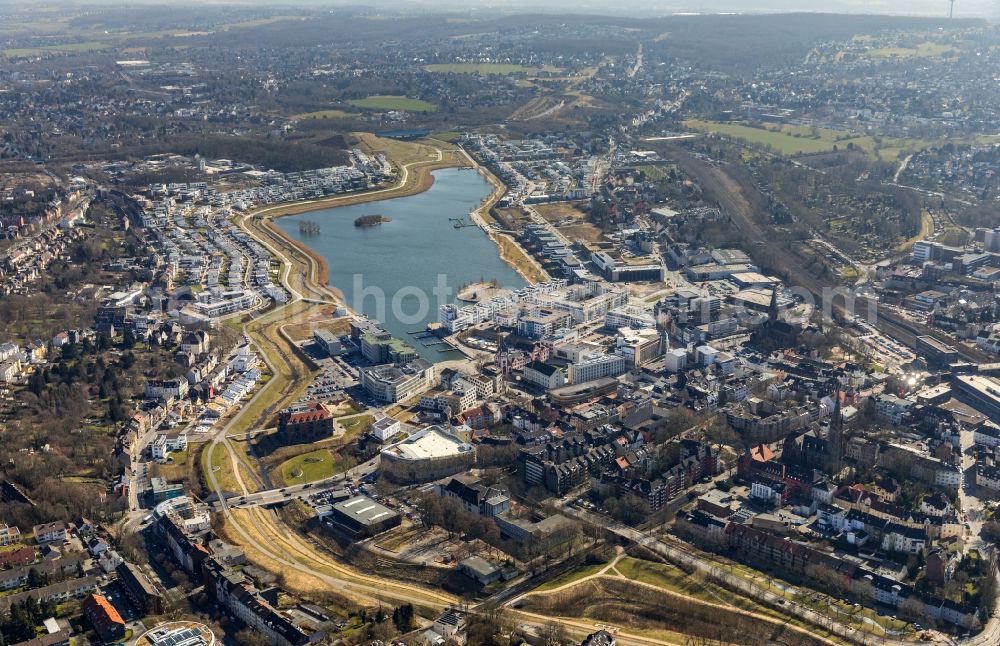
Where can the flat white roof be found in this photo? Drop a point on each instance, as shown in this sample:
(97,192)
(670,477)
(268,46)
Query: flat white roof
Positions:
(431,442)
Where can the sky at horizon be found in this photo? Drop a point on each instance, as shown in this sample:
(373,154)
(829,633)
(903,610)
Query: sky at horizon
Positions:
(963,8)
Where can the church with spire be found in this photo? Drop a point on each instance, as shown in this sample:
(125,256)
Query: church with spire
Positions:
(835,440)
(776,333)
(816,449)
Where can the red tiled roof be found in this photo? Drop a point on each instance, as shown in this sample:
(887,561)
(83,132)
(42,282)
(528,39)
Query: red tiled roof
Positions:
(762,453)
(20,556)
(101,604)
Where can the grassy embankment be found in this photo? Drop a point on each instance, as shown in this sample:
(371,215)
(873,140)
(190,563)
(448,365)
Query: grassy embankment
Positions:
(926,228)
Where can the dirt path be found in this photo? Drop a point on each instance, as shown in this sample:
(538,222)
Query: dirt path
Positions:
(670,593)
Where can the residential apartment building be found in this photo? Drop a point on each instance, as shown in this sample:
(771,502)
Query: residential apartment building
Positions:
(393,383)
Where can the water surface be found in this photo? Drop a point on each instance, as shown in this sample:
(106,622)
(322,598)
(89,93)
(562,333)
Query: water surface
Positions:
(408,257)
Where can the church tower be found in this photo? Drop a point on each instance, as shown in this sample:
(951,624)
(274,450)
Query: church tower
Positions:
(835,439)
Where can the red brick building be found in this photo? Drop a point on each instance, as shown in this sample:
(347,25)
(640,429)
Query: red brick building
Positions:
(304,423)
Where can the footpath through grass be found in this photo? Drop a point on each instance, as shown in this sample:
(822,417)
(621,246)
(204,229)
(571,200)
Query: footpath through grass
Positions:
(581,572)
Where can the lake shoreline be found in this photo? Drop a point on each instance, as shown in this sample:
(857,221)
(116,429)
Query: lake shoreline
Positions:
(499,189)
(423,181)
(406,260)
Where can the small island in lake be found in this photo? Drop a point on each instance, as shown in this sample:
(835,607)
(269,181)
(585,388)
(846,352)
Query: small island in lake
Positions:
(371,220)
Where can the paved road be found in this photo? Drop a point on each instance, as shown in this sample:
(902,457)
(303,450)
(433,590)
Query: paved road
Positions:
(295,554)
(293,492)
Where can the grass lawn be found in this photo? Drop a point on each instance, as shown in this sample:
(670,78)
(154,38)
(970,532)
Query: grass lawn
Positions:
(676,580)
(216,461)
(355,426)
(400,152)
(923,50)
(309,467)
(849,274)
(783,143)
(824,604)
(512,253)
(446,136)
(236,322)
(782,139)
(325,114)
(653,173)
(662,576)
(483,69)
(59,49)
(179,457)
(388,102)
(573,575)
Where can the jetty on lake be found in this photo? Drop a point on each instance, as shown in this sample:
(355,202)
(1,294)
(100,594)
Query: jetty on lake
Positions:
(309,228)
(459,223)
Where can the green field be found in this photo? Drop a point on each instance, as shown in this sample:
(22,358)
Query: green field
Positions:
(783,143)
(387,102)
(483,69)
(325,114)
(354,426)
(653,173)
(782,139)
(309,467)
(56,49)
(448,136)
(923,50)
(573,575)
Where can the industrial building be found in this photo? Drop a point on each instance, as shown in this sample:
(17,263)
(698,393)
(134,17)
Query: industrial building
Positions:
(982,393)
(362,517)
(936,353)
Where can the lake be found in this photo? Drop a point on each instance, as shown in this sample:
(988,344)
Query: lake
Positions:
(401,271)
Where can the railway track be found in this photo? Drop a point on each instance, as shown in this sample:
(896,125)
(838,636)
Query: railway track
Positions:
(731,195)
